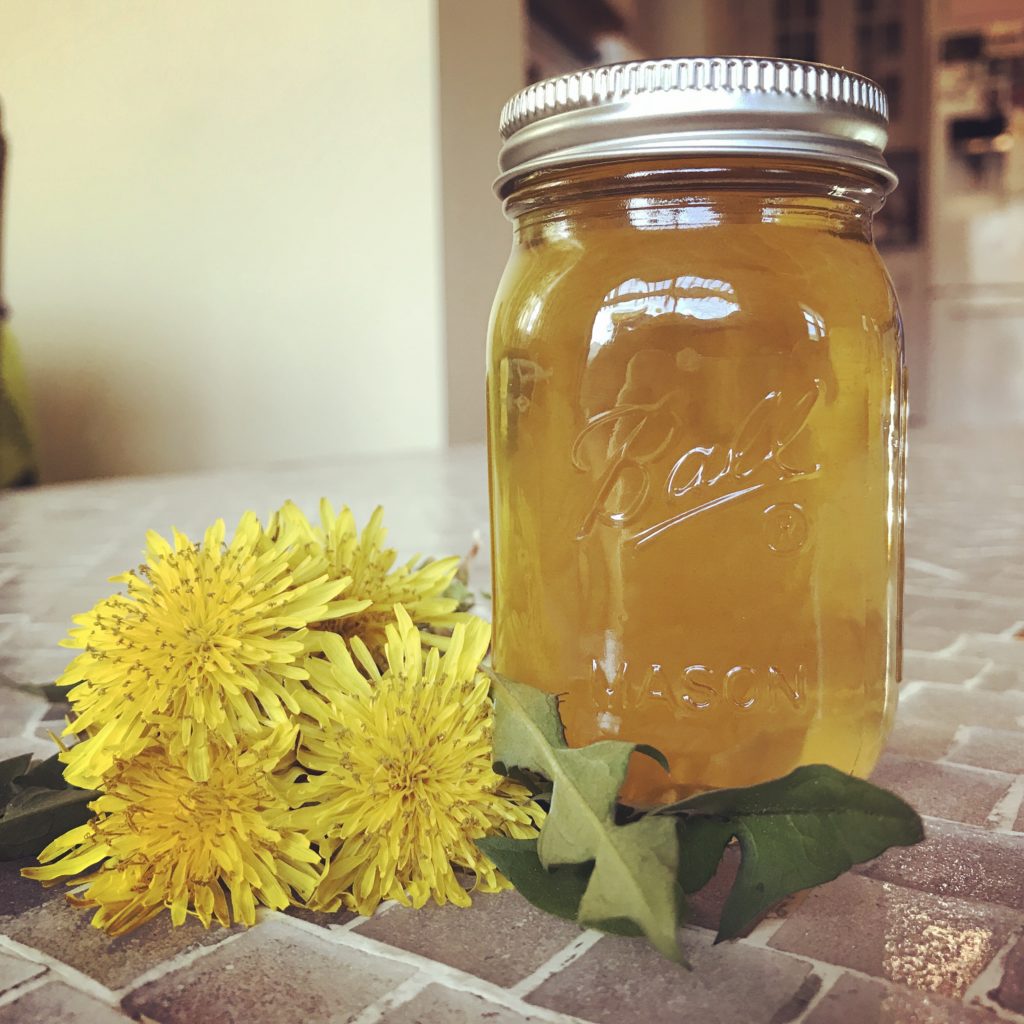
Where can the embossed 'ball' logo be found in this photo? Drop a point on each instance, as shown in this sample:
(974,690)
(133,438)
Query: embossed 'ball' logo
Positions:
(785,527)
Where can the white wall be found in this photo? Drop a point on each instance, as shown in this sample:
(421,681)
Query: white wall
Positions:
(977,266)
(223,228)
(483,62)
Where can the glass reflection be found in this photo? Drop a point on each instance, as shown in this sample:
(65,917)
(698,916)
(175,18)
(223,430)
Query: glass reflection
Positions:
(689,296)
(816,330)
(647,213)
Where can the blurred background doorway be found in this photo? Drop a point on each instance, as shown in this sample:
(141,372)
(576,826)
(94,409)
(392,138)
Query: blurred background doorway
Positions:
(239,232)
(953,233)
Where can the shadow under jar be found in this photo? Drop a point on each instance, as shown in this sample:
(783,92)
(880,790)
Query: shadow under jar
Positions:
(696,418)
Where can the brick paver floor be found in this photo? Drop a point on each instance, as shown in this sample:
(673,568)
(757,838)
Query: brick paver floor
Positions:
(929,935)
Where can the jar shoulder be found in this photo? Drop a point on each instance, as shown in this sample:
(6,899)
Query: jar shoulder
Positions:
(767,281)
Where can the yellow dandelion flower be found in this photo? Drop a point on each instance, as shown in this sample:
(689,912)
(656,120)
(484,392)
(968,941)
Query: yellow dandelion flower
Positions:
(161,839)
(407,782)
(336,547)
(207,643)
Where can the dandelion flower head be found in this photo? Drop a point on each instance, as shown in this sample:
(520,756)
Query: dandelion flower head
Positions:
(212,849)
(407,783)
(336,547)
(206,644)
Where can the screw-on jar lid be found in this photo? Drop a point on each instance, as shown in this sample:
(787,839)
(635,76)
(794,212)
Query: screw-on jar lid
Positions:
(695,106)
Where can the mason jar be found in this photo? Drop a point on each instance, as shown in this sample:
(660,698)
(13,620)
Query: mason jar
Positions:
(696,417)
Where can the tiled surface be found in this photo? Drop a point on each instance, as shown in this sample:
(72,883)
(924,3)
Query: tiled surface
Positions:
(929,935)
(15,898)
(997,749)
(274,973)
(1011,990)
(528,937)
(115,963)
(944,790)
(55,1001)
(14,971)
(927,942)
(978,864)
(437,1004)
(620,980)
(861,1000)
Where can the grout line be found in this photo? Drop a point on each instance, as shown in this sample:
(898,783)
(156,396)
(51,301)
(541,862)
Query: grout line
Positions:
(384,908)
(1005,639)
(183,959)
(444,974)
(941,657)
(932,569)
(962,735)
(29,985)
(355,922)
(931,684)
(976,684)
(403,993)
(976,902)
(989,979)
(299,925)
(764,931)
(1004,814)
(973,768)
(32,722)
(310,928)
(343,926)
(910,688)
(830,973)
(949,651)
(938,593)
(942,654)
(950,646)
(957,646)
(457,980)
(74,977)
(569,954)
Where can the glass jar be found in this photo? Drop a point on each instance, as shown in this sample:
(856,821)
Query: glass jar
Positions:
(696,418)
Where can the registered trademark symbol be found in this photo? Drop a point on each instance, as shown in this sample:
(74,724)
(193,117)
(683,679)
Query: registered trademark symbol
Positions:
(785,527)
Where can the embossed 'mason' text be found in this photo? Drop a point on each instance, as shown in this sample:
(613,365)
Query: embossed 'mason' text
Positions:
(694,689)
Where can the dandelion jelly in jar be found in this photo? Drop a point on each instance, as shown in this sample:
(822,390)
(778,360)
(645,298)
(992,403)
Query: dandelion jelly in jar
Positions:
(696,417)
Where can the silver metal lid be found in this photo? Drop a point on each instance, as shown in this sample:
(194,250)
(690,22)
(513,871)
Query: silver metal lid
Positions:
(694,106)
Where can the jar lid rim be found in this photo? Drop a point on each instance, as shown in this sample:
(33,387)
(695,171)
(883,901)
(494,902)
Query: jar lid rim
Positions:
(690,105)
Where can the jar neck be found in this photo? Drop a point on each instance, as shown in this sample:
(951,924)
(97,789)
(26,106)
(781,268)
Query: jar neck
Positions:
(681,195)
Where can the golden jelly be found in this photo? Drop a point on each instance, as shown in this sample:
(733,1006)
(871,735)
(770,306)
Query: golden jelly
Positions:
(696,429)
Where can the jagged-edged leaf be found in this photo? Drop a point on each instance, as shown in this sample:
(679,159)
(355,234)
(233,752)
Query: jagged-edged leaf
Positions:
(557,890)
(36,816)
(702,841)
(48,774)
(47,691)
(10,770)
(37,805)
(634,866)
(51,692)
(794,833)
